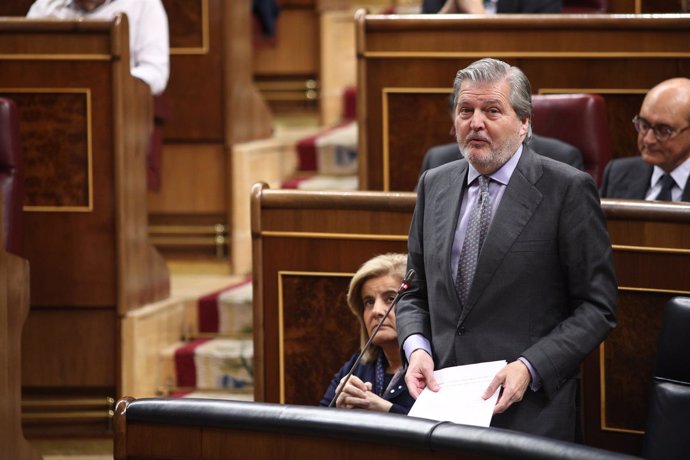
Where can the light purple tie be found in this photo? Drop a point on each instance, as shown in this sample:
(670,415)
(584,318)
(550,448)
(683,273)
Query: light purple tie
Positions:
(477,228)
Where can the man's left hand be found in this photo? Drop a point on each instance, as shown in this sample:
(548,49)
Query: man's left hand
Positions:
(514,378)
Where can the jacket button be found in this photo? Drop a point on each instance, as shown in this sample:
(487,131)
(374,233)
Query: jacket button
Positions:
(461,330)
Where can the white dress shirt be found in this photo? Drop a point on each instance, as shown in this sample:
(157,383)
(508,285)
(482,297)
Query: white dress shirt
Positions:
(148,33)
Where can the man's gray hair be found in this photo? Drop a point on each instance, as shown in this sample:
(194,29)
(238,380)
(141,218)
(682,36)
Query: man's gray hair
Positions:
(492,70)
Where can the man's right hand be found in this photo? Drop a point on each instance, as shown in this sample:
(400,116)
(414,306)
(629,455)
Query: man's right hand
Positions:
(420,373)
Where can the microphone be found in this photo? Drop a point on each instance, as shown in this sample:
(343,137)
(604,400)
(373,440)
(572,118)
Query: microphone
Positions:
(404,286)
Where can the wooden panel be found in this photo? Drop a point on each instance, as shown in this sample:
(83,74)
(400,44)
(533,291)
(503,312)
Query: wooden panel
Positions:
(317,324)
(210,88)
(651,252)
(15,7)
(14,307)
(55,136)
(651,245)
(291,229)
(402,59)
(197,103)
(195,180)
(85,126)
(70,348)
(297,46)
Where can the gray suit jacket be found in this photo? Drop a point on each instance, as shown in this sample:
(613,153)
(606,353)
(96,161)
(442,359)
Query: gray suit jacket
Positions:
(629,178)
(547,146)
(544,288)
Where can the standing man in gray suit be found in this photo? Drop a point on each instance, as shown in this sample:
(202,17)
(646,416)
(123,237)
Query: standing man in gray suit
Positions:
(513,261)
(662,170)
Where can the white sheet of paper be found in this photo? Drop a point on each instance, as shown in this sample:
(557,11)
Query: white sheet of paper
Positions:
(460,398)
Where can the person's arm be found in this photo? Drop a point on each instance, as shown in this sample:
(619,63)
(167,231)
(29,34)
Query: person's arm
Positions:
(587,263)
(412,311)
(151,52)
(39,9)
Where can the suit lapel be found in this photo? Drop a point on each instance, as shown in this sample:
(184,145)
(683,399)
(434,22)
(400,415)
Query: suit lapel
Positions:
(446,211)
(637,189)
(517,206)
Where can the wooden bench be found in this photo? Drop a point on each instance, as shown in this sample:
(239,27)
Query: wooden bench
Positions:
(190,429)
(85,124)
(307,245)
(406,66)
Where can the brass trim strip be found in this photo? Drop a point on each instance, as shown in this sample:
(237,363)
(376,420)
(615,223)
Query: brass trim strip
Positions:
(81,415)
(385,92)
(56,57)
(213,229)
(659,250)
(592,90)
(184,51)
(68,402)
(332,236)
(384,138)
(223,335)
(187,241)
(523,54)
(602,386)
(653,290)
(89,146)
(281,324)
(249,389)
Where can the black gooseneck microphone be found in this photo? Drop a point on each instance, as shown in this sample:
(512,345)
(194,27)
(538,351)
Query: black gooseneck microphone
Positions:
(403,287)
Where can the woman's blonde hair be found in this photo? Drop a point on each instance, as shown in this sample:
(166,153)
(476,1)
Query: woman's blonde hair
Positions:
(385,264)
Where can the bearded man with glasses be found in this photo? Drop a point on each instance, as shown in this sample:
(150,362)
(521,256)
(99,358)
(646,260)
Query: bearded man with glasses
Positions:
(661,171)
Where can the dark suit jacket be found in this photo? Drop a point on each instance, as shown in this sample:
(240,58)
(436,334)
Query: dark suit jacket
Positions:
(506,6)
(544,287)
(547,146)
(629,178)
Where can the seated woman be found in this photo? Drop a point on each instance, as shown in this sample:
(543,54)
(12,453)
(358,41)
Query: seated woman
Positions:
(378,381)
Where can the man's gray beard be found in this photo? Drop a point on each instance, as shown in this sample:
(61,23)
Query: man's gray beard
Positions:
(495,159)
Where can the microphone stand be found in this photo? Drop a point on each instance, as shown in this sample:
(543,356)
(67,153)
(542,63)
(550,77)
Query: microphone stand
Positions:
(403,287)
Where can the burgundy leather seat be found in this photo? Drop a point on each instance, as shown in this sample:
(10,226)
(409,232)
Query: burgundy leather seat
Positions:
(578,119)
(11,177)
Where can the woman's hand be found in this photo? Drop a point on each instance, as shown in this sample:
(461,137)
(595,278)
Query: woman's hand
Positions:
(357,394)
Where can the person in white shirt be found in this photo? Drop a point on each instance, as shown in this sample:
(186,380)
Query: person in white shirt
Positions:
(148,31)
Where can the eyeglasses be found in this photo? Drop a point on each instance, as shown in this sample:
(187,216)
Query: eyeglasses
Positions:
(662,133)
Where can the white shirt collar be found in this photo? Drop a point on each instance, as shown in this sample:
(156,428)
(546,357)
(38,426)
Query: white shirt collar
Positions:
(501,175)
(680,174)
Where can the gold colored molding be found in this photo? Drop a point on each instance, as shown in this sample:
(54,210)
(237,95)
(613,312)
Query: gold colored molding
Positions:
(56,57)
(187,51)
(592,90)
(524,54)
(281,334)
(332,236)
(654,250)
(89,141)
(653,290)
(385,123)
(602,393)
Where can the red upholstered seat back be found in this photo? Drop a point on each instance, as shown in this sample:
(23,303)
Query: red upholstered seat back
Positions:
(11,177)
(578,119)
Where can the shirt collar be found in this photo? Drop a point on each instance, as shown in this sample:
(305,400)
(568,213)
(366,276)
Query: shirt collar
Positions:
(501,175)
(680,174)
